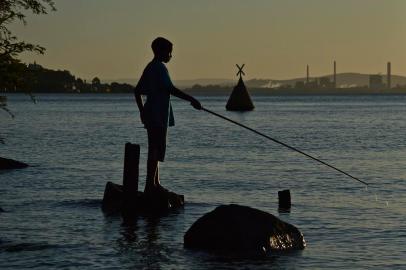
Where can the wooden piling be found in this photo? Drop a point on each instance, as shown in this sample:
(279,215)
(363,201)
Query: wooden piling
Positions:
(131,171)
(284,200)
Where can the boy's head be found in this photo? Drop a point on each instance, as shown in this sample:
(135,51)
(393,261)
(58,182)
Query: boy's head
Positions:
(162,49)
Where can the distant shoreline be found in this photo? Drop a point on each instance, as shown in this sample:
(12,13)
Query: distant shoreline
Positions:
(302,92)
(37,79)
(258,92)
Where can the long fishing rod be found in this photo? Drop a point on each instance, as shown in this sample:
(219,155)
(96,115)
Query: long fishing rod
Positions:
(284,144)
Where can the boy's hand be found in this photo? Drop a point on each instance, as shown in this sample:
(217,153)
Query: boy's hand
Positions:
(196,104)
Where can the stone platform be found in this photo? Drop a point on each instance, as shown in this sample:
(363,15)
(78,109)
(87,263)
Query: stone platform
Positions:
(115,201)
(127,200)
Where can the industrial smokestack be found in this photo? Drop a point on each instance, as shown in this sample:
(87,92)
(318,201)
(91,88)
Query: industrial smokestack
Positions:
(307,73)
(335,75)
(389,75)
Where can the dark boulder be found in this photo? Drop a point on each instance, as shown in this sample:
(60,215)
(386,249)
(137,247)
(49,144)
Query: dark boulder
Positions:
(8,164)
(241,228)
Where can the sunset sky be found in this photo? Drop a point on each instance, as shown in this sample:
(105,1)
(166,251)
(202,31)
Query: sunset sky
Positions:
(274,38)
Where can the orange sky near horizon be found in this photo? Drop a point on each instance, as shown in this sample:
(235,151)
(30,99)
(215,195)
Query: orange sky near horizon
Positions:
(274,38)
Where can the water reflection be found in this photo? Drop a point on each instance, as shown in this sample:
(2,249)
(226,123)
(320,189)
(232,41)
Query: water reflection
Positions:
(140,241)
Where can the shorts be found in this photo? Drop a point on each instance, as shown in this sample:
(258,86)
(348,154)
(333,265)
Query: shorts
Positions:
(156,143)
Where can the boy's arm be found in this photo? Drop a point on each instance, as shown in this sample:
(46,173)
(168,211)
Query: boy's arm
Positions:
(180,94)
(140,103)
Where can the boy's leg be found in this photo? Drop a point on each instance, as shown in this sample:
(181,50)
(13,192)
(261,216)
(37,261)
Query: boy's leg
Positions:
(156,153)
(152,172)
(156,179)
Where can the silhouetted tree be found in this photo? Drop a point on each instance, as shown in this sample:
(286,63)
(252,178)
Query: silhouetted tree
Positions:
(96,81)
(11,70)
(11,11)
(10,73)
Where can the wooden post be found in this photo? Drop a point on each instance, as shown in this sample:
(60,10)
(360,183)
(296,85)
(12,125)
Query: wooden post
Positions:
(284,200)
(131,171)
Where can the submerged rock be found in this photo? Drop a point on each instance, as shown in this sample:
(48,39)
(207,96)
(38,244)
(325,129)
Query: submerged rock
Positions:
(241,228)
(8,164)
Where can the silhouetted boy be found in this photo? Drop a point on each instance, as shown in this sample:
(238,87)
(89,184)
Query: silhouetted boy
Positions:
(156,113)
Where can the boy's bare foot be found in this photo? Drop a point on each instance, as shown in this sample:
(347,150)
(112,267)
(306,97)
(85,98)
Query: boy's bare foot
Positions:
(162,189)
(150,189)
(154,189)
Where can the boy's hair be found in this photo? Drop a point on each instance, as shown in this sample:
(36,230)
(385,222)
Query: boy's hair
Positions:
(161,44)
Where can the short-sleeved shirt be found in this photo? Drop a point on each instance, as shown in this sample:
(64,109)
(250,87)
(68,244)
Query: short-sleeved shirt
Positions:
(156,84)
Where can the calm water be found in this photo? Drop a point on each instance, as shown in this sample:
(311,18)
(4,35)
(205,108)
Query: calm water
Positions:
(76,142)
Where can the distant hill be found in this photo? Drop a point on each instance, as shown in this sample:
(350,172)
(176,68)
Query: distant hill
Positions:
(348,79)
(343,80)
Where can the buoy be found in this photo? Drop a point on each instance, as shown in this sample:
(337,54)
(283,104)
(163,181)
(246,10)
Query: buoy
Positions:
(240,99)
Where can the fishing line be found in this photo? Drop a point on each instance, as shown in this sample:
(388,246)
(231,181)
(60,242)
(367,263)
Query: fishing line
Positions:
(299,151)
(286,145)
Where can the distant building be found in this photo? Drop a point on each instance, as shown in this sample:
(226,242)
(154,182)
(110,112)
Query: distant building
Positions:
(312,84)
(307,74)
(326,83)
(376,82)
(34,66)
(300,85)
(389,76)
(308,84)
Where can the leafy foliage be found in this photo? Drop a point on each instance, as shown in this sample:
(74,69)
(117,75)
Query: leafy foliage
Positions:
(12,71)
(12,11)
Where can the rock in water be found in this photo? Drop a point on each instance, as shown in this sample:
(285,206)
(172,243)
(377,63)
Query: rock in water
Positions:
(8,164)
(241,228)
(114,201)
(113,198)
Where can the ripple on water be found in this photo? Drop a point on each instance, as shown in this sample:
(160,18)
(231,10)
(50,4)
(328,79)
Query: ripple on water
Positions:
(85,203)
(19,247)
(53,217)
